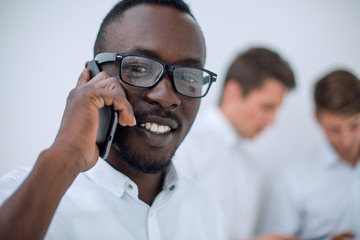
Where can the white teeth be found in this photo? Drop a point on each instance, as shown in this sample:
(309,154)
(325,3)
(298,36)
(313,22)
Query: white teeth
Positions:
(161,128)
(155,128)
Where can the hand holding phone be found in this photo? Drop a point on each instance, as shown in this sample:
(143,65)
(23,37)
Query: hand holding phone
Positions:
(108,117)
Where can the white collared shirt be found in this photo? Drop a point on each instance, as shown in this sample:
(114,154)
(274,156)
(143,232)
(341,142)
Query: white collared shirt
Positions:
(314,197)
(213,155)
(103,203)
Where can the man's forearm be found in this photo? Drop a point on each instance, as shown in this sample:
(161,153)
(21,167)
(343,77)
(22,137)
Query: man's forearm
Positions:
(28,212)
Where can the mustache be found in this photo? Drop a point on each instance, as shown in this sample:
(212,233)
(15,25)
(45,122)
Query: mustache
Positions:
(159,113)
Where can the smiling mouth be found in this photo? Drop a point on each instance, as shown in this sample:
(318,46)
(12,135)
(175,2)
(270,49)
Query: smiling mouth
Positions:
(156,128)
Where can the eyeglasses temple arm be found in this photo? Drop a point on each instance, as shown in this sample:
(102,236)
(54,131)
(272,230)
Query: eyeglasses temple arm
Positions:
(105,57)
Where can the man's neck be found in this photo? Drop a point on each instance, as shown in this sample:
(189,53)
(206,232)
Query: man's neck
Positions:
(149,185)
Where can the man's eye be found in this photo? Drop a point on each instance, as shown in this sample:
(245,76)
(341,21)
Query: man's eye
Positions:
(188,79)
(268,107)
(190,83)
(137,68)
(335,130)
(354,126)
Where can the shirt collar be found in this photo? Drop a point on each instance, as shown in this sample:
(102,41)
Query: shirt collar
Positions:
(117,183)
(107,177)
(171,178)
(331,158)
(225,128)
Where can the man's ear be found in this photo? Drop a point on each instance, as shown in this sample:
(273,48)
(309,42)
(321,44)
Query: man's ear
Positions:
(232,90)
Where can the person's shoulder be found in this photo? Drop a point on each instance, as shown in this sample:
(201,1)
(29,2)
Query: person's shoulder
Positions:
(299,170)
(207,123)
(306,161)
(16,175)
(11,181)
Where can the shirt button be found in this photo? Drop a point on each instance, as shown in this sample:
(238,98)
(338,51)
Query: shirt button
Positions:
(171,187)
(130,186)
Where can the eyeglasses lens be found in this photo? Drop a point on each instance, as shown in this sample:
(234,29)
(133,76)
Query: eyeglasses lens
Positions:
(143,72)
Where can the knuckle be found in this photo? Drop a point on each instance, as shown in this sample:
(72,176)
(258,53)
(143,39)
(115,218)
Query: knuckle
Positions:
(81,92)
(119,93)
(103,75)
(112,83)
(71,94)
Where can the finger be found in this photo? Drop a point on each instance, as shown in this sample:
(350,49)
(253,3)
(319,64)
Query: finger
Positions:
(104,80)
(110,83)
(98,78)
(120,102)
(126,112)
(344,235)
(116,96)
(275,237)
(83,78)
(281,237)
(289,238)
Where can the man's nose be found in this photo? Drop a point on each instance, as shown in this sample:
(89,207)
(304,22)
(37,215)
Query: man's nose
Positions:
(163,93)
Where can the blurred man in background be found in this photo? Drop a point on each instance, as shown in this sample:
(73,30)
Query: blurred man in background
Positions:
(318,195)
(254,88)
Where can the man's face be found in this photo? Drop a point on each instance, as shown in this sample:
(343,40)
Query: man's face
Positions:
(174,38)
(343,133)
(253,112)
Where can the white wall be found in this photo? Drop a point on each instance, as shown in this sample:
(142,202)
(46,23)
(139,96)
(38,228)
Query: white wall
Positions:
(44,45)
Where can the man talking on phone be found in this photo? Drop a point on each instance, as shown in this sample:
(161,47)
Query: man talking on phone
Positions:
(151,55)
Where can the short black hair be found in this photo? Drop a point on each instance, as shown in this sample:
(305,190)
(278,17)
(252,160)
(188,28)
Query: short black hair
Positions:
(252,67)
(122,6)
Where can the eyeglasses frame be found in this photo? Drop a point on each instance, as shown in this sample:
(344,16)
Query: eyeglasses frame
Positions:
(118,57)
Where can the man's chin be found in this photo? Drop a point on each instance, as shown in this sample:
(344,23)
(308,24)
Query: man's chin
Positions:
(139,162)
(252,135)
(144,167)
(348,154)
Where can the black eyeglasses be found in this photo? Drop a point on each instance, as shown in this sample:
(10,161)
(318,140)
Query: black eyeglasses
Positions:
(142,71)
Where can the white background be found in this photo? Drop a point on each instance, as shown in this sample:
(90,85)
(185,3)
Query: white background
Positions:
(44,45)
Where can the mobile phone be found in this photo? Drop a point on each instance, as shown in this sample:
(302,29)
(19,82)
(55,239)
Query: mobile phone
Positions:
(108,118)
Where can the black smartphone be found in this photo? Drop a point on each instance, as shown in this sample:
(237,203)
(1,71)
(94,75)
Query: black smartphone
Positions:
(108,119)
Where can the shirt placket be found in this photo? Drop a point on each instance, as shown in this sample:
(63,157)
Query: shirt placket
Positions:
(153,225)
(160,202)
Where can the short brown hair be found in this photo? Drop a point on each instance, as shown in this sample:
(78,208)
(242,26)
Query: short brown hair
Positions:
(252,67)
(338,92)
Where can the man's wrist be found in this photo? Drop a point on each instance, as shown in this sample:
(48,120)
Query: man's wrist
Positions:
(66,161)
